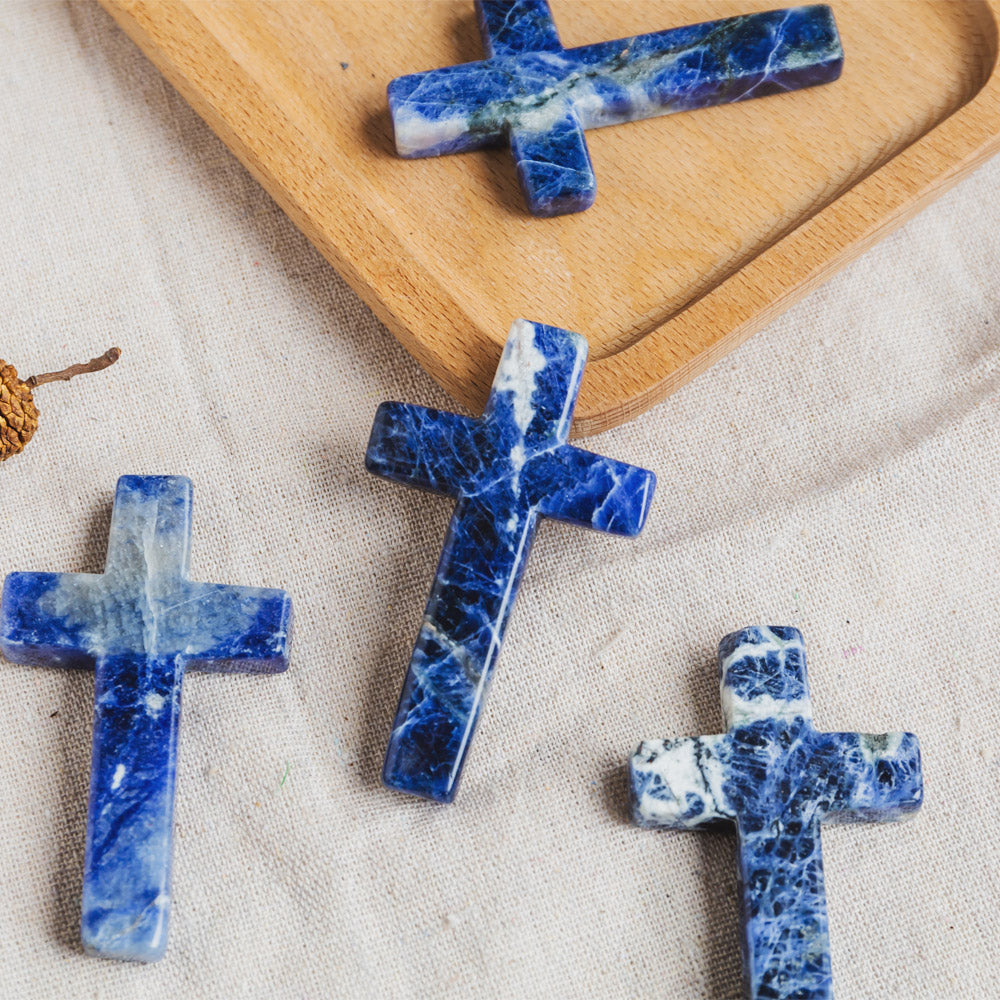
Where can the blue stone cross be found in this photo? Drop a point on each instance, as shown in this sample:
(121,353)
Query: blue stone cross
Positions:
(505,470)
(140,624)
(540,97)
(776,778)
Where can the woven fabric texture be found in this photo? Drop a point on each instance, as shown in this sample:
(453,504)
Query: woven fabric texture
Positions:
(839,472)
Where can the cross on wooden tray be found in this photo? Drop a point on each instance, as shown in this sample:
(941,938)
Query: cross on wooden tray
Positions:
(504,469)
(776,778)
(140,624)
(541,97)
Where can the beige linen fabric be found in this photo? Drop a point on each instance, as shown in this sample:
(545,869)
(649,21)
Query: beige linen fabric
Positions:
(838,473)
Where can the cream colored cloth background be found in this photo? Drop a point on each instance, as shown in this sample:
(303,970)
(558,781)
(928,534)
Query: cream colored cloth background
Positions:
(839,472)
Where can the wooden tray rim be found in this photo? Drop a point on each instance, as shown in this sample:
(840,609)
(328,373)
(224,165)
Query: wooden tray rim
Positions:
(906,183)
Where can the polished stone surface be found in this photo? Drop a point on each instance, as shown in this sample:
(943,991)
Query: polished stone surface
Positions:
(504,469)
(540,97)
(140,624)
(776,778)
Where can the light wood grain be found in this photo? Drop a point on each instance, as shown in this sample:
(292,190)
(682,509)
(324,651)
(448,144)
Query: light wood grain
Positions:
(706,225)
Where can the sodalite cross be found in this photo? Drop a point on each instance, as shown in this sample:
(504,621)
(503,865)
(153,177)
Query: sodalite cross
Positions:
(776,778)
(541,97)
(140,623)
(505,470)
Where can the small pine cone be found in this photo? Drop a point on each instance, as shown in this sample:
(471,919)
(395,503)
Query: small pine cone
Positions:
(18,416)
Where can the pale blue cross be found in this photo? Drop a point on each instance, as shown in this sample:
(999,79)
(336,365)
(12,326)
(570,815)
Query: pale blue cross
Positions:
(140,624)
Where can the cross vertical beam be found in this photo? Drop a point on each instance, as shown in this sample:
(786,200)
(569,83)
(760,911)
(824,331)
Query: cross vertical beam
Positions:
(139,624)
(777,779)
(540,97)
(130,816)
(505,470)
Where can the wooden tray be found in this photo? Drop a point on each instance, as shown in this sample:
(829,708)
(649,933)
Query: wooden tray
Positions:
(706,224)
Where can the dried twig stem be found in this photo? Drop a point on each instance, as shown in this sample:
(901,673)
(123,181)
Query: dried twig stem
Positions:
(109,357)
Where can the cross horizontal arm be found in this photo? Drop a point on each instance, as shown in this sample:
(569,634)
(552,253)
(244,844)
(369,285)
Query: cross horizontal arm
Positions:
(245,629)
(454,109)
(430,449)
(679,783)
(700,65)
(590,490)
(870,777)
(30,632)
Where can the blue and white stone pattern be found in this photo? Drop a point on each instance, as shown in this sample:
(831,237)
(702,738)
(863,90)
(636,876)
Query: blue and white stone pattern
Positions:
(139,625)
(540,97)
(505,470)
(776,778)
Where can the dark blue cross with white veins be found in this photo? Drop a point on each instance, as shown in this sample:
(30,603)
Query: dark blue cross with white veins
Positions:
(540,97)
(504,469)
(777,779)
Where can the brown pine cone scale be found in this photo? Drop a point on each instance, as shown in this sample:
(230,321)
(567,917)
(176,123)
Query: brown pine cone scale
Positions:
(18,416)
